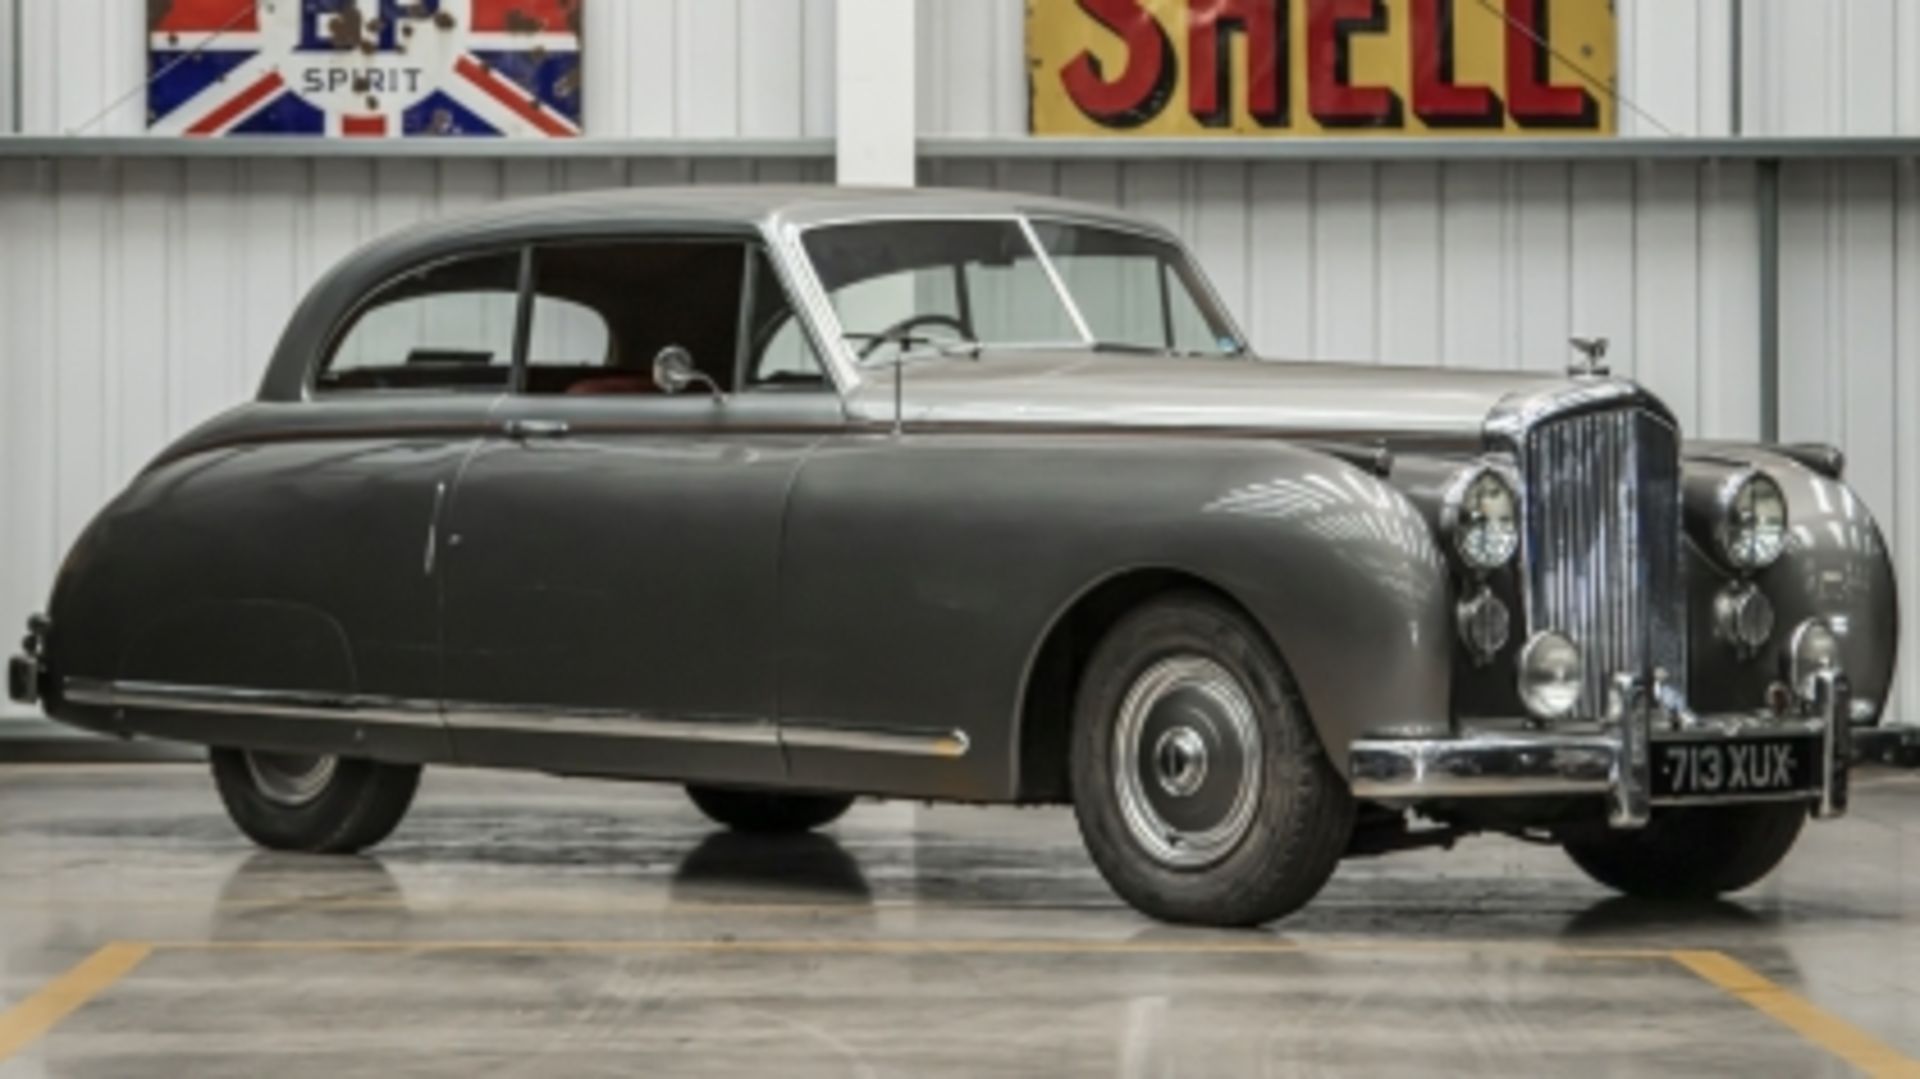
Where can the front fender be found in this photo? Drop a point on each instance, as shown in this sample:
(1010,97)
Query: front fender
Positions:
(921,574)
(1836,567)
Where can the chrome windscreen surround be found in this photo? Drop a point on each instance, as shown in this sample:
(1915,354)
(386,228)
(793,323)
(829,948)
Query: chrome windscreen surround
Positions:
(1601,538)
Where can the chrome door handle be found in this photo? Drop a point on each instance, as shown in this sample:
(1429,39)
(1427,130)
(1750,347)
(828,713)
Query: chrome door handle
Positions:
(522,430)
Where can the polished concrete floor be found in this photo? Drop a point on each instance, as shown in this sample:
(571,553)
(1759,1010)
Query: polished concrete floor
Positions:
(524,925)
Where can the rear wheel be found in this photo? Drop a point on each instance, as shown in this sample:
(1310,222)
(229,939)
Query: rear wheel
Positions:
(1693,852)
(313,803)
(768,811)
(1201,789)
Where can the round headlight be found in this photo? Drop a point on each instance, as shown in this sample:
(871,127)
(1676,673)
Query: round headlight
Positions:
(1550,675)
(1482,516)
(1815,649)
(1753,522)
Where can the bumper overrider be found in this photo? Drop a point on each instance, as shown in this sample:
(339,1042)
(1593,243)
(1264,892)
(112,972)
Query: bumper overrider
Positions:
(1616,759)
(25,673)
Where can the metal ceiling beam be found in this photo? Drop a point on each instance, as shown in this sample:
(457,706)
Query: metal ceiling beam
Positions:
(1422,149)
(256,147)
(1019,147)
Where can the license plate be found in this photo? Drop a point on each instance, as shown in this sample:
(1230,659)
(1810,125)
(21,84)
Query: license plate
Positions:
(1729,769)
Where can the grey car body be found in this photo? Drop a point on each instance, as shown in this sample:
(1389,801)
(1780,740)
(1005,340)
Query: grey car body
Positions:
(885,588)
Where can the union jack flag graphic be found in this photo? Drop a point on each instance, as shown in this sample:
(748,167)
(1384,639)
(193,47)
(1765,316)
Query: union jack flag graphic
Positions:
(366,68)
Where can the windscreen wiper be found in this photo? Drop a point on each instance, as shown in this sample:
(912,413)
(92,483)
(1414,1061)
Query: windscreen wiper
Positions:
(944,346)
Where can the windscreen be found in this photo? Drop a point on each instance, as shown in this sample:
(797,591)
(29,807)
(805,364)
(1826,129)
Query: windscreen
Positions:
(901,285)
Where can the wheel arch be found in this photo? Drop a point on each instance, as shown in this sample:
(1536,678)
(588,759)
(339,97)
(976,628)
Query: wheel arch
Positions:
(1051,680)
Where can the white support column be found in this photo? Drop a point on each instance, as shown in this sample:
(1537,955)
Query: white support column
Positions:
(9,65)
(874,92)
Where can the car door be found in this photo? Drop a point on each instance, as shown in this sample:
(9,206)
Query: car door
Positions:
(290,553)
(612,571)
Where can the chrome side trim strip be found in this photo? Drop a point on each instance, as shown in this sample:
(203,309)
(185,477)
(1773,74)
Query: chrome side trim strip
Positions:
(951,745)
(608,723)
(612,723)
(280,704)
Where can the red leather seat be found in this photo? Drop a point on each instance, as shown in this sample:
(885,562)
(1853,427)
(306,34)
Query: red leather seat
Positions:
(613,384)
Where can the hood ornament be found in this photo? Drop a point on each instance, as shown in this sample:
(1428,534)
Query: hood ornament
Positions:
(1591,363)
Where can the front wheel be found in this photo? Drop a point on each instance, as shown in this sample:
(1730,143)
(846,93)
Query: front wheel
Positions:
(1693,852)
(1202,792)
(313,803)
(768,812)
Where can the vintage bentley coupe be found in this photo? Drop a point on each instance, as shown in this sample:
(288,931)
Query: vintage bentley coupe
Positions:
(793,495)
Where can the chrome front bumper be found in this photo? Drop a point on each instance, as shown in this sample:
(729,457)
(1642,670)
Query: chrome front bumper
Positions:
(1614,761)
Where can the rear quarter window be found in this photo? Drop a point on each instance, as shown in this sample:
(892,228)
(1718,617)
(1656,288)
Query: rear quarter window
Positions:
(446,326)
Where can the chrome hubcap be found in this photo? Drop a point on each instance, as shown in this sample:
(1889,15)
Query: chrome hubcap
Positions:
(290,779)
(1180,761)
(1186,761)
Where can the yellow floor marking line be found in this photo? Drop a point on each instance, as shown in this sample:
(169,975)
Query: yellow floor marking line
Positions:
(1829,1032)
(25,1022)
(895,946)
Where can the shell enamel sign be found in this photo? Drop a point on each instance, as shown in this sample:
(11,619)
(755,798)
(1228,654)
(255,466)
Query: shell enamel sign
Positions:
(1321,67)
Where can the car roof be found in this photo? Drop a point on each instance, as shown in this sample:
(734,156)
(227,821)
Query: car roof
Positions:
(765,205)
(713,210)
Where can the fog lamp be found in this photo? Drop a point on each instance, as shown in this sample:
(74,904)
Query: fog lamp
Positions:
(1815,650)
(1484,623)
(1744,617)
(1550,675)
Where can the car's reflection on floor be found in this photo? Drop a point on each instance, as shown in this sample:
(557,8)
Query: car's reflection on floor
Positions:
(596,924)
(740,867)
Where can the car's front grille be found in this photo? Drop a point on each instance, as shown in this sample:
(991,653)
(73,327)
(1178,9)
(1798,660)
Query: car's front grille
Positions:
(1602,544)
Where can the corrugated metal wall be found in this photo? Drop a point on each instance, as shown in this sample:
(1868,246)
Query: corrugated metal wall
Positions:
(1850,340)
(1496,265)
(1832,67)
(138,297)
(9,73)
(686,68)
(1470,265)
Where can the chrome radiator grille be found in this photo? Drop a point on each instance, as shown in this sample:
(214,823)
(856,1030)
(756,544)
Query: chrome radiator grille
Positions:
(1602,544)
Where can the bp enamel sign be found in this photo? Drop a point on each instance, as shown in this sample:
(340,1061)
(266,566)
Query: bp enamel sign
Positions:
(367,68)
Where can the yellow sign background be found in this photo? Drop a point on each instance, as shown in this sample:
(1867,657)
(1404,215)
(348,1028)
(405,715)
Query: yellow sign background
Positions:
(1059,31)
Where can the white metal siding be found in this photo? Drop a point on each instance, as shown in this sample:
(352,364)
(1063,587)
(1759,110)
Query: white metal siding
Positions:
(138,298)
(1465,264)
(1498,264)
(682,68)
(1833,67)
(8,73)
(972,67)
(1850,341)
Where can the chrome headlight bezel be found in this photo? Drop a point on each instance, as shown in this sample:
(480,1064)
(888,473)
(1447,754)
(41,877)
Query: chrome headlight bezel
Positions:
(1476,546)
(1736,533)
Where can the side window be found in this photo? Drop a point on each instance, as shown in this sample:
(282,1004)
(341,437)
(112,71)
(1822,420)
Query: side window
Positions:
(1187,325)
(446,326)
(1135,290)
(779,350)
(603,310)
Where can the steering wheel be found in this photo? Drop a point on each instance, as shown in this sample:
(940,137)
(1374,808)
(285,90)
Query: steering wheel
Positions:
(892,334)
